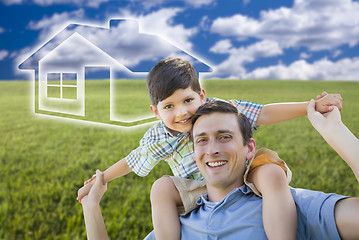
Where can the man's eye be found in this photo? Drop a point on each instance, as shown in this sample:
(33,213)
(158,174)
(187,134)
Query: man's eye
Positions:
(225,137)
(200,140)
(168,106)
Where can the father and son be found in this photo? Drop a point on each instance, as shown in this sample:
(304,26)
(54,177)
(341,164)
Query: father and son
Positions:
(221,188)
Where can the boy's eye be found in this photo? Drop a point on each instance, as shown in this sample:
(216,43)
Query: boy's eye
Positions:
(188,100)
(168,106)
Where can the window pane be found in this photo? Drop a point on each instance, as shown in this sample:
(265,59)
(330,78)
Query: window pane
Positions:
(53,92)
(53,78)
(69,92)
(69,78)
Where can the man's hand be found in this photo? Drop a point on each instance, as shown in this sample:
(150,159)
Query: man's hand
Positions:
(326,102)
(83,191)
(321,121)
(97,190)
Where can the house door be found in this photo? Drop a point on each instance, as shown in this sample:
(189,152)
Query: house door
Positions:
(97,94)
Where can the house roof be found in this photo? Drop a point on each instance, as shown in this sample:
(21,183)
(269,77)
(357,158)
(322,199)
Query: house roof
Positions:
(138,52)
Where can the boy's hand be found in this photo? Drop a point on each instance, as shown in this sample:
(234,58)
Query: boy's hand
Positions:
(321,121)
(90,180)
(82,192)
(326,102)
(323,95)
(96,192)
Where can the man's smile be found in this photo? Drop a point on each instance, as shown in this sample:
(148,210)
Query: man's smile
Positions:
(214,164)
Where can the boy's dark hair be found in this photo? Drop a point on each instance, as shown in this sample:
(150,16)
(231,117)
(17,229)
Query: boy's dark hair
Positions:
(169,75)
(225,107)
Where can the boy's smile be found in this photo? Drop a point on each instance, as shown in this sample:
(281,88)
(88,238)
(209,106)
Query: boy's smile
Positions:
(177,110)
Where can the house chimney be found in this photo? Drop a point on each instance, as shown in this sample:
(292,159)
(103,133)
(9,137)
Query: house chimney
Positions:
(128,24)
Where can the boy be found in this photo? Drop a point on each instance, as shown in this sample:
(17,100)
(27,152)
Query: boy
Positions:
(175,93)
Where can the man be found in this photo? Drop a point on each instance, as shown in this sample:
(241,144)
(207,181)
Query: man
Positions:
(230,210)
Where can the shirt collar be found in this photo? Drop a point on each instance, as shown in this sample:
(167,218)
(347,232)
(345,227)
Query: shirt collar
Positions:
(169,134)
(244,190)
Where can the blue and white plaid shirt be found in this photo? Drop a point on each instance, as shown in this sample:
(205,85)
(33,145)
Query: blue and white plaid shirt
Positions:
(159,144)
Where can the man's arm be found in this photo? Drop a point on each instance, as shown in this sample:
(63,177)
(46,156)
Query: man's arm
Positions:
(337,135)
(279,112)
(95,225)
(340,138)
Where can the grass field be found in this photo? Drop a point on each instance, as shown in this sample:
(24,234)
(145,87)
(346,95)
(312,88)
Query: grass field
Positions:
(44,160)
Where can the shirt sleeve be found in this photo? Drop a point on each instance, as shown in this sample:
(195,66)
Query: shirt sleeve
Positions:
(250,109)
(315,212)
(154,147)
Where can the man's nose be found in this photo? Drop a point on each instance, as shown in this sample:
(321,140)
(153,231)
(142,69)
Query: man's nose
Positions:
(212,148)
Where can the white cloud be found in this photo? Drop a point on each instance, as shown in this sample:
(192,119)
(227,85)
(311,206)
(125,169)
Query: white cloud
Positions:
(344,69)
(205,23)
(150,4)
(161,23)
(196,4)
(158,23)
(238,57)
(245,2)
(199,3)
(3,54)
(315,24)
(222,46)
(2,30)
(337,53)
(12,2)
(126,44)
(237,25)
(305,55)
(122,41)
(49,26)
(89,3)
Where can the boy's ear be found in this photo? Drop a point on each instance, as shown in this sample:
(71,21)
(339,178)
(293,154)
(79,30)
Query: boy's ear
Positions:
(155,111)
(203,96)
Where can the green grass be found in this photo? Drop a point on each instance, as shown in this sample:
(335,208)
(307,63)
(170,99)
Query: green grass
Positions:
(45,160)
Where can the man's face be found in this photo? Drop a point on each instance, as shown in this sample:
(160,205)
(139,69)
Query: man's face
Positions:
(219,150)
(177,110)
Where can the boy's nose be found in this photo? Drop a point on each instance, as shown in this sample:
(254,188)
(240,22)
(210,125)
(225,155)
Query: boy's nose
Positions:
(181,111)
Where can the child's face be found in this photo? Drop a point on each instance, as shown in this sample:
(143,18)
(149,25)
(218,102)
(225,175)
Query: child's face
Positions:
(177,110)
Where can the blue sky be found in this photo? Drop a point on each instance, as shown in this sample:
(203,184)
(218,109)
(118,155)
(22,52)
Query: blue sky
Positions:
(246,39)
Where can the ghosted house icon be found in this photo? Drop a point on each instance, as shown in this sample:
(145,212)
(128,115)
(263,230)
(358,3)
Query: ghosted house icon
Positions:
(62,67)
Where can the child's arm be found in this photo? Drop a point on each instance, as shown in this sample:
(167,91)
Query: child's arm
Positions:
(279,112)
(164,201)
(117,170)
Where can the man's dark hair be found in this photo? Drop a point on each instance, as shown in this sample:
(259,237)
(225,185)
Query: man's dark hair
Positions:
(225,107)
(169,75)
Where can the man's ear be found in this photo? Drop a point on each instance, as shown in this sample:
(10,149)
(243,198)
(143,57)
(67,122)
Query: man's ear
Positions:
(203,96)
(155,111)
(251,148)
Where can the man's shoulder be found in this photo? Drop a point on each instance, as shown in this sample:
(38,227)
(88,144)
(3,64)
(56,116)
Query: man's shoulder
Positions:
(308,200)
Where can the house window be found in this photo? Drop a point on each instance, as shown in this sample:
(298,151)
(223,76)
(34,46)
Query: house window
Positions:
(62,85)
